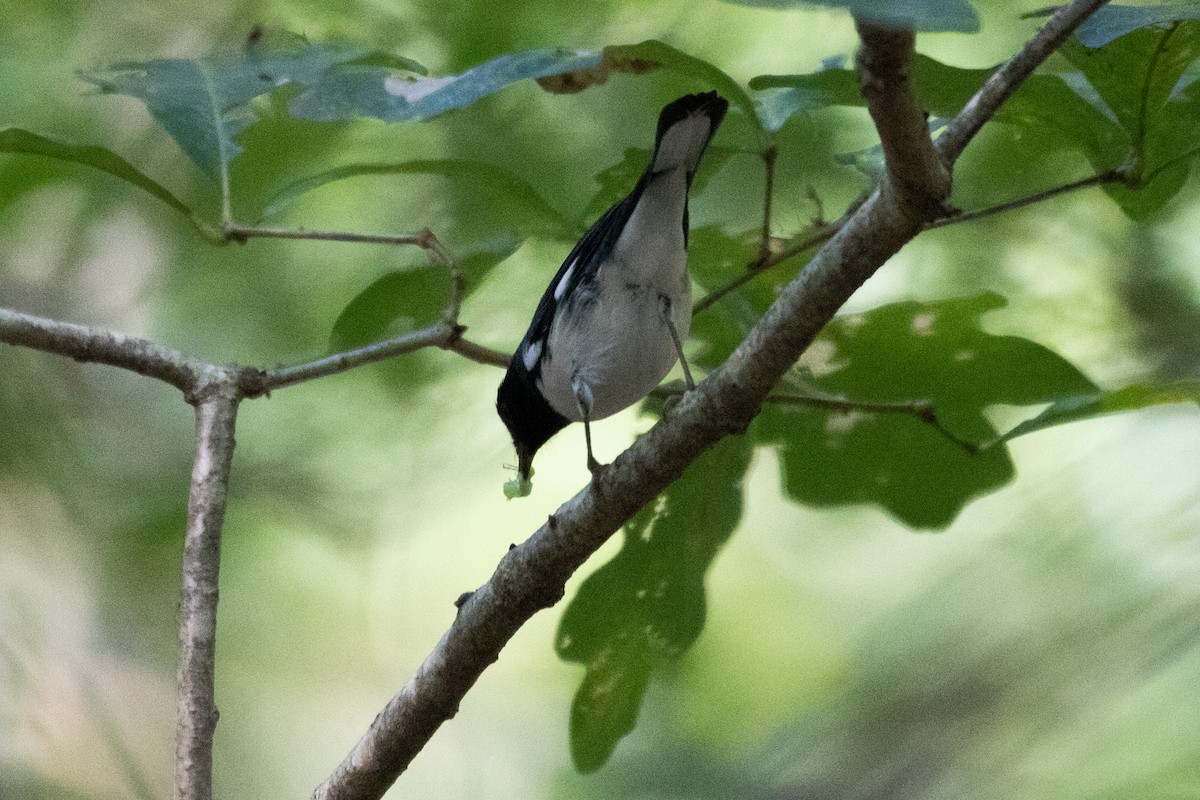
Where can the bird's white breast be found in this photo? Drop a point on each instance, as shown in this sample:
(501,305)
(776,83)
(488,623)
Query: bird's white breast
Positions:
(619,344)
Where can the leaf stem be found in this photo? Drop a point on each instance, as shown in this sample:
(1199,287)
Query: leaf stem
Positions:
(769,156)
(923,410)
(1112,176)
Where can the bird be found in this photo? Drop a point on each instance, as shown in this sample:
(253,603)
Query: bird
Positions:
(611,324)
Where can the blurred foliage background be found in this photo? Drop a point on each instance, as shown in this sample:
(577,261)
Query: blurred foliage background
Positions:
(1044,645)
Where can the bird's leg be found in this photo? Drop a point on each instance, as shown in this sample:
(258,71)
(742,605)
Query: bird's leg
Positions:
(583,397)
(666,312)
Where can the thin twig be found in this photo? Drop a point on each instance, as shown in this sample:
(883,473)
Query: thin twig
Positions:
(478,353)
(1004,82)
(92,344)
(216,414)
(1112,176)
(769,157)
(235,232)
(923,410)
(757,267)
(435,335)
(754,269)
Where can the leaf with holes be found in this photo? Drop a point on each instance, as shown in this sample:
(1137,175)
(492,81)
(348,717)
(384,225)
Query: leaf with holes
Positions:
(903,367)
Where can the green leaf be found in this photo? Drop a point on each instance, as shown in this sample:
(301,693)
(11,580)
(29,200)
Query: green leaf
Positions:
(373,92)
(1043,102)
(17,140)
(1135,75)
(399,302)
(647,606)
(1112,22)
(933,353)
(929,16)
(514,196)
(403,301)
(203,102)
(1097,404)
(1135,79)
(716,259)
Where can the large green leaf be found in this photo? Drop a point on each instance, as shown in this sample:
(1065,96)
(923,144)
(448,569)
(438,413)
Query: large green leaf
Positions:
(16,140)
(647,605)
(652,54)
(202,102)
(372,92)
(928,353)
(923,15)
(1089,406)
(1135,79)
(1043,102)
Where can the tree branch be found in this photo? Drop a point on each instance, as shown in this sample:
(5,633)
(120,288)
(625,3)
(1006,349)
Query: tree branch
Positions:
(532,576)
(235,232)
(916,170)
(1002,83)
(216,413)
(85,343)
(436,335)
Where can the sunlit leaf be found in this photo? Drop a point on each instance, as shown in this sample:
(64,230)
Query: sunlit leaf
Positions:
(16,140)
(934,353)
(923,15)
(1098,404)
(647,605)
(202,102)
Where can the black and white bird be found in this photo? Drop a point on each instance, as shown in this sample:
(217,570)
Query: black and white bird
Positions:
(611,324)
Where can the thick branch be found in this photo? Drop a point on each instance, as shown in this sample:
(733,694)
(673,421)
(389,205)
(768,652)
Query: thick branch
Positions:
(84,343)
(196,715)
(884,64)
(532,576)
